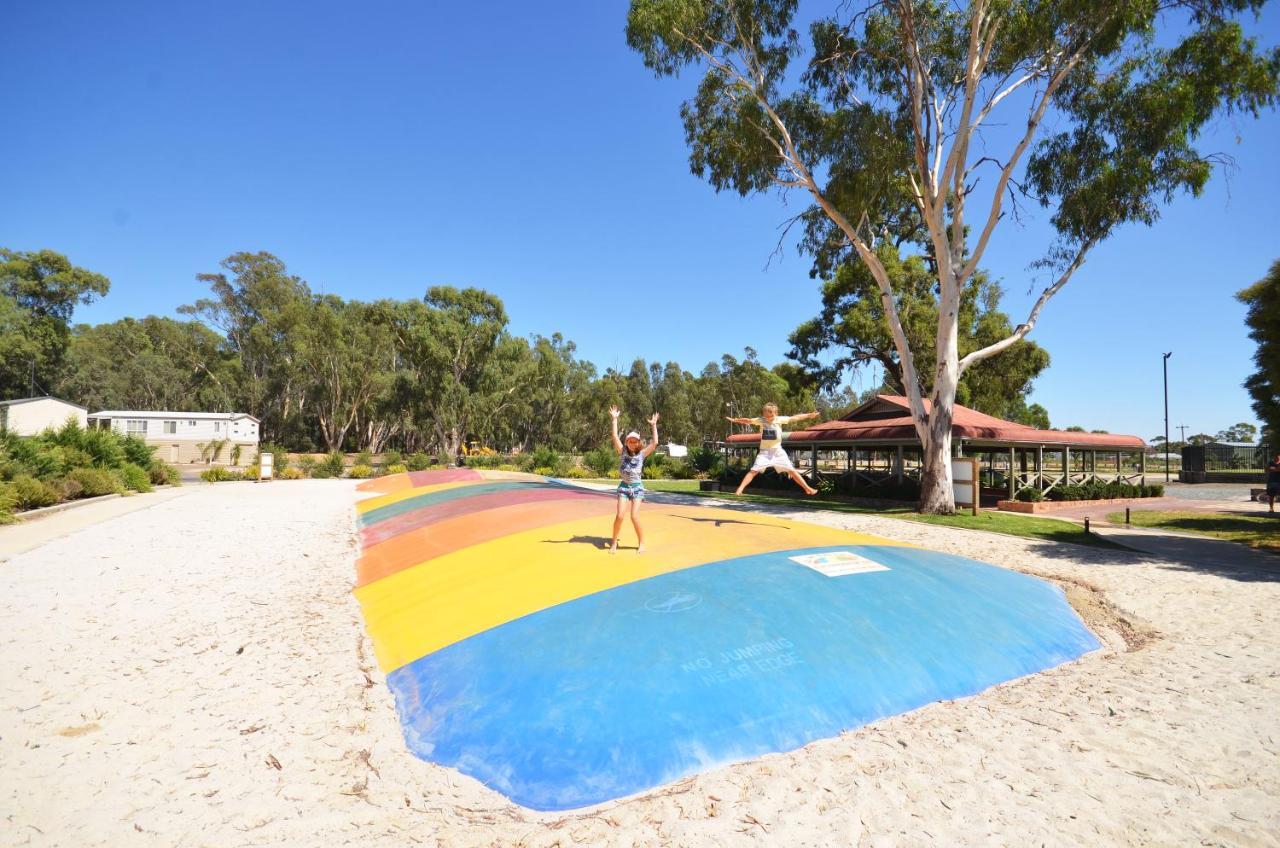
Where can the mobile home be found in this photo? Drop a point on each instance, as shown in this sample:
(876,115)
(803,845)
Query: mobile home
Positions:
(187,437)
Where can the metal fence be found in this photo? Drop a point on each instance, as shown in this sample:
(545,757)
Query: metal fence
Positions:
(1225,457)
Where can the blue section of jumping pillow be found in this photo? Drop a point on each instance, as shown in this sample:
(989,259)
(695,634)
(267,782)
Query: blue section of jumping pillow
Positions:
(627,689)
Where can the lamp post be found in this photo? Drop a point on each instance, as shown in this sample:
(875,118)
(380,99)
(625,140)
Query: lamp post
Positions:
(1166,415)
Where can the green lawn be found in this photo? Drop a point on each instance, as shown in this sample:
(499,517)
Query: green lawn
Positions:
(1260,531)
(1009,524)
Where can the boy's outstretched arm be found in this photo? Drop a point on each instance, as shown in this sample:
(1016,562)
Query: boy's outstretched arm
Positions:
(614,412)
(652,446)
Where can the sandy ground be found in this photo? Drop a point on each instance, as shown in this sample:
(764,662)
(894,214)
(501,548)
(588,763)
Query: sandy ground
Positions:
(196,674)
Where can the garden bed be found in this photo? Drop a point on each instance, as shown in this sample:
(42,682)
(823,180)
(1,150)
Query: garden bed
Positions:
(1037,507)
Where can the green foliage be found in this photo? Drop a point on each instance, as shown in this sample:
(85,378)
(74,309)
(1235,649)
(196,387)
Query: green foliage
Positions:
(546,461)
(364,457)
(1104,490)
(163,474)
(39,291)
(398,468)
(219,474)
(360,471)
(307,464)
(1029,494)
(418,461)
(135,477)
(137,451)
(30,493)
(1262,316)
(8,503)
(235,454)
(579,473)
(704,459)
(332,463)
(96,481)
(853,324)
(322,471)
(600,460)
(292,473)
(485,460)
(392,458)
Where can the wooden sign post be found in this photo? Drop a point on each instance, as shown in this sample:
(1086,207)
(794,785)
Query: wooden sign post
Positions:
(964,481)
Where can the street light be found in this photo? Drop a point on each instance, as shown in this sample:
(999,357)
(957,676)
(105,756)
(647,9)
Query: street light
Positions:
(1166,415)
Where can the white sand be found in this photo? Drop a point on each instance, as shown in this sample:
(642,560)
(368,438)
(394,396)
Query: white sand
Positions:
(197,674)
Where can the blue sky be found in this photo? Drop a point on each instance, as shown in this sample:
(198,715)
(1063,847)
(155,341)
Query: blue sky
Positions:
(382,148)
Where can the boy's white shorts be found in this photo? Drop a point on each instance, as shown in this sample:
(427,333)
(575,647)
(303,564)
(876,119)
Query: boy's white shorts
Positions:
(775,458)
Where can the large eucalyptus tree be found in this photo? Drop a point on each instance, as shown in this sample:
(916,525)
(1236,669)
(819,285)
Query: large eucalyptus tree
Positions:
(887,130)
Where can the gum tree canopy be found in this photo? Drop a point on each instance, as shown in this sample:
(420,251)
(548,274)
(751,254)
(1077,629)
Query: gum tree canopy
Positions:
(888,130)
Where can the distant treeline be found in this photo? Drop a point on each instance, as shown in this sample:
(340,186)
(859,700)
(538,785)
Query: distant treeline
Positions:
(324,373)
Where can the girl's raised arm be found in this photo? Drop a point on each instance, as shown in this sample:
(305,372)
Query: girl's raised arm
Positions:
(652,446)
(614,412)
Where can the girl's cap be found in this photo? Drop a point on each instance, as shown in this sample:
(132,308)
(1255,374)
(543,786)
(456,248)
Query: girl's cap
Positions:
(632,435)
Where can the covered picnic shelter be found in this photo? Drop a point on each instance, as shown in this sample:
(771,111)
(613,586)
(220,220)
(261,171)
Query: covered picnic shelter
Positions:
(876,446)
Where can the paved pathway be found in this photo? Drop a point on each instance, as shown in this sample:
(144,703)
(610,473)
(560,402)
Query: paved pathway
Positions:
(31,534)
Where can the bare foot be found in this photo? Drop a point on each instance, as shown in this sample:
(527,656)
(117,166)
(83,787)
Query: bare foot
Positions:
(613,549)
(811,491)
(639,549)
(738,492)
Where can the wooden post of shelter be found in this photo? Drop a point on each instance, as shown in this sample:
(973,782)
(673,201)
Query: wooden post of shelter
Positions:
(898,463)
(1013,485)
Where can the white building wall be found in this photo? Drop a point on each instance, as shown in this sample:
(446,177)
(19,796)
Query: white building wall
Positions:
(32,417)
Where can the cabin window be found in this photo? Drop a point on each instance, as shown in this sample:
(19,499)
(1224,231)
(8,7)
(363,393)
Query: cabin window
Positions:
(136,426)
(170,427)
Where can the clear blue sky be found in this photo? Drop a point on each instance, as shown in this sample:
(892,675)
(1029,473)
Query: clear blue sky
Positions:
(522,148)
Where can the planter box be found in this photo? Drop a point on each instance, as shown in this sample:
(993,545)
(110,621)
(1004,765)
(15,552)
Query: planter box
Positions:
(1036,507)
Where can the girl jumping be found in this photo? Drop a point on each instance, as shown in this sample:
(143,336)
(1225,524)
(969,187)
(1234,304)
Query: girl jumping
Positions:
(631,452)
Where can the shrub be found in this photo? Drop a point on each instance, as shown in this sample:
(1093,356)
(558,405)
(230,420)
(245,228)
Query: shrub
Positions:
(614,474)
(333,463)
(418,461)
(678,469)
(137,451)
(253,472)
(291,474)
(96,482)
(600,460)
(34,457)
(321,472)
(545,471)
(308,465)
(544,457)
(8,503)
(506,466)
(392,458)
(30,493)
(236,450)
(483,460)
(218,474)
(398,468)
(1155,491)
(135,477)
(1029,494)
(364,458)
(360,471)
(704,459)
(68,489)
(651,472)
(163,474)
(577,473)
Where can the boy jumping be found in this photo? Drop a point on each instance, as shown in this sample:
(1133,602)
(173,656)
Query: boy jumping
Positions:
(771,454)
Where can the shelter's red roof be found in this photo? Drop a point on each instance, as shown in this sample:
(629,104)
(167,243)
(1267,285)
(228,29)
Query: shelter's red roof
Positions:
(879,420)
